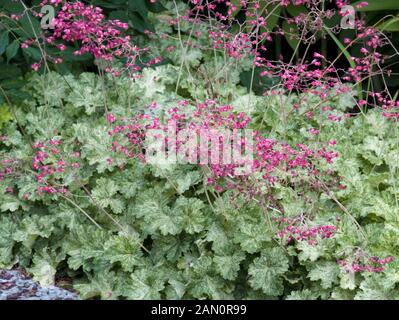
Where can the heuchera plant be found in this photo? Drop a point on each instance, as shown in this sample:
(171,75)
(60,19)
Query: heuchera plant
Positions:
(303,170)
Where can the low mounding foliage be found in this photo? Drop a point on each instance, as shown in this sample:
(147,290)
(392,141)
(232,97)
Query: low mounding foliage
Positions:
(315,218)
(125,229)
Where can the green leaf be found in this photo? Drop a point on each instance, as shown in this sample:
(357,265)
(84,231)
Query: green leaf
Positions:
(340,294)
(219,239)
(170,247)
(43,270)
(348,280)
(272,15)
(252,237)
(139,6)
(151,202)
(155,7)
(176,290)
(106,195)
(7,229)
(190,214)
(391,25)
(140,23)
(295,10)
(291,32)
(106,285)
(114,4)
(378,5)
(309,252)
(9,71)
(237,4)
(185,180)
(125,250)
(153,207)
(373,289)
(266,272)
(145,284)
(305,294)
(10,204)
(228,266)
(325,271)
(85,247)
(4,40)
(87,93)
(30,26)
(33,53)
(12,50)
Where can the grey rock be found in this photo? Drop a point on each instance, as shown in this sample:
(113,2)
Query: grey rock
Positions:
(14,285)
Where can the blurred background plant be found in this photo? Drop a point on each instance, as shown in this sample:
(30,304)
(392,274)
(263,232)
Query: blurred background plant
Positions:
(18,23)
(384,14)
(287,43)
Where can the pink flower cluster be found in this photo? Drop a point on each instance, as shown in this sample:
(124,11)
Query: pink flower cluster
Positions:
(262,155)
(389,106)
(87,26)
(373,264)
(235,46)
(129,135)
(270,155)
(77,22)
(294,229)
(8,167)
(317,76)
(49,164)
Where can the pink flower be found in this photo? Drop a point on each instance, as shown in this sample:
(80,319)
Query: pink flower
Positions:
(15,17)
(9,189)
(332,143)
(110,118)
(362,5)
(36,66)
(75,165)
(364,51)
(314,131)
(61,46)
